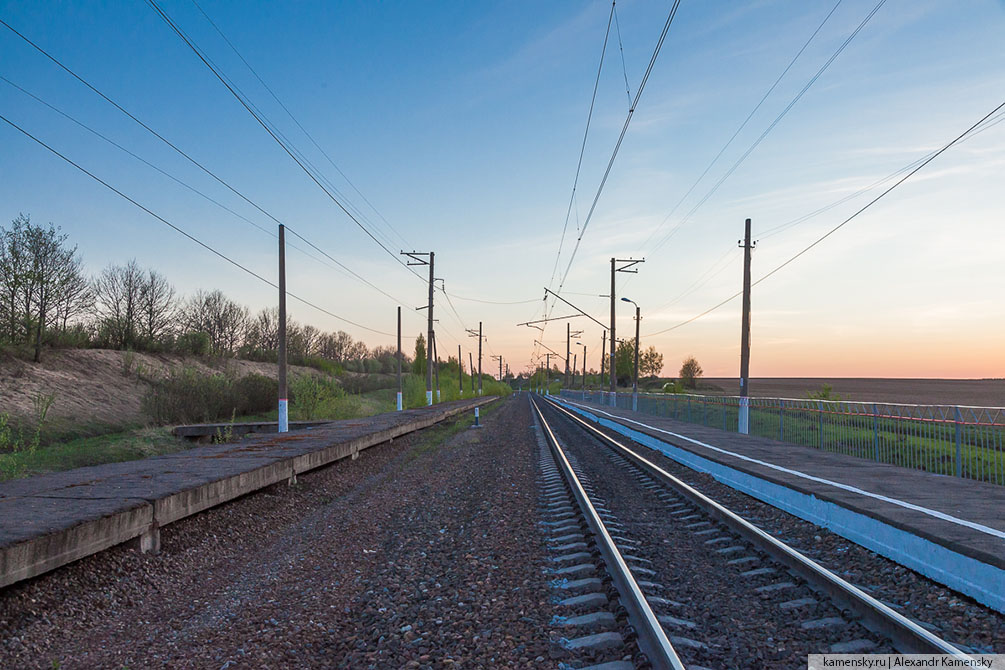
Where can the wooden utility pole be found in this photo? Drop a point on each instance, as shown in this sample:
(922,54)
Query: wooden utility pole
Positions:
(399,404)
(284,423)
(744,418)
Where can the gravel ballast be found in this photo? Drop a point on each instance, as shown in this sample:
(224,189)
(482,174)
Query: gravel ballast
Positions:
(418,554)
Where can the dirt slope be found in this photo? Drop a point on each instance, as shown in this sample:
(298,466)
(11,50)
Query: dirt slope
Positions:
(99,386)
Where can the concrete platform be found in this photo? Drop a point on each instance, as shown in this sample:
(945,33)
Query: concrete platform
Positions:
(205,432)
(948,528)
(50,520)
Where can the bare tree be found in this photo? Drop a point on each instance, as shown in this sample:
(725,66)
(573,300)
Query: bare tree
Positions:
(15,268)
(157,308)
(75,297)
(225,321)
(118,304)
(263,331)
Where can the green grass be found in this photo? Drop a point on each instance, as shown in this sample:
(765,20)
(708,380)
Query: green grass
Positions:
(65,447)
(77,453)
(926,446)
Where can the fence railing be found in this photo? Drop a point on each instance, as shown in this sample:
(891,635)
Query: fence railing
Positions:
(957,440)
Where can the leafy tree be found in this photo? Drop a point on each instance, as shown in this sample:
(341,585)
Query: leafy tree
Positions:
(419,361)
(41,282)
(650,362)
(624,362)
(690,372)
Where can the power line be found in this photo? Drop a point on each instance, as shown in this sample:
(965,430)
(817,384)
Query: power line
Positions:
(183,232)
(582,149)
(621,138)
(297,122)
(742,125)
(201,193)
(240,98)
(833,230)
(772,125)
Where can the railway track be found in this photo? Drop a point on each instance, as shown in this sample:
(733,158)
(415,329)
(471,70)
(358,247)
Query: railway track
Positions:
(698,585)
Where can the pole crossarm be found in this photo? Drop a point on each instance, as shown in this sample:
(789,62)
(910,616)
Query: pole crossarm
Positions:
(547,291)
(553,318)
(553,352)
(416,256)
(627,263)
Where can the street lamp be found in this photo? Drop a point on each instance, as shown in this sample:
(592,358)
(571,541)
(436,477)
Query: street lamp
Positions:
(635,382)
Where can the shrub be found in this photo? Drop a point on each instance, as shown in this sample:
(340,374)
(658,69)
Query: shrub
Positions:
(186,396)
(330,368)
(313,397)
(256,393)
(194,344)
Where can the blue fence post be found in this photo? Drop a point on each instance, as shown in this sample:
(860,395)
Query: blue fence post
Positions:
(820,406)
(875,432)
(781,420)
(959,442)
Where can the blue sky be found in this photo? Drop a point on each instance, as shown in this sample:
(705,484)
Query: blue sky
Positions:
(462,124)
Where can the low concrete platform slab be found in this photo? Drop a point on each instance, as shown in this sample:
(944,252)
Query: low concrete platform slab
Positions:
(948,528)
(53,519)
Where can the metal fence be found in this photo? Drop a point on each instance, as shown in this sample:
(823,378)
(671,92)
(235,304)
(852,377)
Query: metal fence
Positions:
(955,440)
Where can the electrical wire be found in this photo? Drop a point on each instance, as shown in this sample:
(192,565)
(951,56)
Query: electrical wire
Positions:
(621,138)
(739,161)
(582,150)
(183,232)
(298,124)
(743,125)
(862,209)
(244,103)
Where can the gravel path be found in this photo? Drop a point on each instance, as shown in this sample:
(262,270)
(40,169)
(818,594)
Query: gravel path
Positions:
(414,555)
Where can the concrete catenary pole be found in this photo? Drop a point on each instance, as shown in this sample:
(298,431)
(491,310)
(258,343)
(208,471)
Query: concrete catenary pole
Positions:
(568,345)
(284,424)
(603,360)
(471,366)
(460,371)
(547,373)
(429,336)
(614,346)
(399,403)
(479,358)
(635,381)
(435,359)
(584,371)
(744,418)
(575,361)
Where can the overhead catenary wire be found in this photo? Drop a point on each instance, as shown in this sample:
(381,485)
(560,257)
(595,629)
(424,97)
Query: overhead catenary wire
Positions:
(767,131)
(840,225)
(621,139)
(339,266)
(743,125)
(297,122)
(582,149)
(183,232)
(244,103)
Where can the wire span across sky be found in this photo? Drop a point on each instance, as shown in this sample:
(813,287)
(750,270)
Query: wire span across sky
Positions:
(503,145)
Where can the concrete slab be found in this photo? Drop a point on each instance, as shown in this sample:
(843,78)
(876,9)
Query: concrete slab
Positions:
(53,519)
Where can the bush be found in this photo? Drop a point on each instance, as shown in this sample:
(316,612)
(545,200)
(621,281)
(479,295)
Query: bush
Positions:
(314,397)
(690,372)
(194,344)
(256,393)
(330,368)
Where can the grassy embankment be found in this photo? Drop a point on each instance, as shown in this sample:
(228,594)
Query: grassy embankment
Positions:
(186,395)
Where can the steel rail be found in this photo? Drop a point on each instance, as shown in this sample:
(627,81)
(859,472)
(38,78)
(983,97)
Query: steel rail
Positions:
(652,640)
(906,635)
